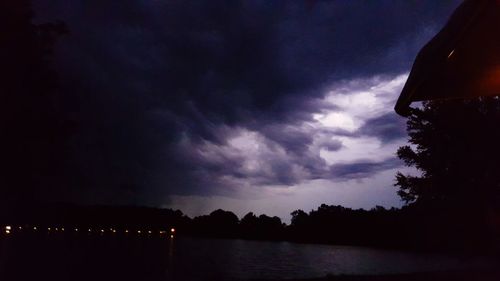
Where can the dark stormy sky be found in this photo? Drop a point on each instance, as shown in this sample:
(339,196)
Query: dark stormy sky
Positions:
(264,106)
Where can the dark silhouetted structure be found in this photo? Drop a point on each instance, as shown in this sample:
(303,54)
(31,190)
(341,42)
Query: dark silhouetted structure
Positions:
(462,60)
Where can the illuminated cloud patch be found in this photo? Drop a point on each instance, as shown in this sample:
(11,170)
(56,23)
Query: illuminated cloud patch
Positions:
(293,154)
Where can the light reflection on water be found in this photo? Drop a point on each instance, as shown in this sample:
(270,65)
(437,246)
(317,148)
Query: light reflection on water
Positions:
(242,259)
(97,258)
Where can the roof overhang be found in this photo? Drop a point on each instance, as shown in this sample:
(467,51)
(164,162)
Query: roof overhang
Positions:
(461,61)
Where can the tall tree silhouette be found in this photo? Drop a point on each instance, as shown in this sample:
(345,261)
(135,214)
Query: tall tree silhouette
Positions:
(455,146)
(31,125)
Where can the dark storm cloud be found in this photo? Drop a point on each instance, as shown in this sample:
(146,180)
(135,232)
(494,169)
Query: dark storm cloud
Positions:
(387,127)
(362,169)
(151,84)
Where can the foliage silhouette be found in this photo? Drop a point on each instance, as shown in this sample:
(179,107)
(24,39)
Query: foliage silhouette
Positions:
(219,223)
(261,227)
(454,144)
(428,228)
(340,225)
(456,149)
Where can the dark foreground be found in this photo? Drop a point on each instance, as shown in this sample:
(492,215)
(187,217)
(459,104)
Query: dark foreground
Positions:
(148,257)
(428,276)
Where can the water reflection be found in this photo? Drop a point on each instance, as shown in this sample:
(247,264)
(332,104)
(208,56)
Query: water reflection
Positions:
(199,259)
(170,260)
(146,257)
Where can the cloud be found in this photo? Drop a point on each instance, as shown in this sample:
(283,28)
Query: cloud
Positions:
(387,127)
(209,98)
(284,154)
(363,169)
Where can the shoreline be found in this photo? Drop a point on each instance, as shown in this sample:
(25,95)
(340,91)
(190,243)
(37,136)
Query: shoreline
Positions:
(457,275)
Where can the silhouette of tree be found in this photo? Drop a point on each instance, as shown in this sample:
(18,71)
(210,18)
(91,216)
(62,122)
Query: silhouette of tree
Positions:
(249,219)
(340,225)
(455,199)
(248,225)
(455,147)
(261,227)
(219,223)
(299,218)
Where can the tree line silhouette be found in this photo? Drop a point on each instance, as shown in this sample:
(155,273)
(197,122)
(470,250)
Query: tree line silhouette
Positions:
(456,194)
(406,228)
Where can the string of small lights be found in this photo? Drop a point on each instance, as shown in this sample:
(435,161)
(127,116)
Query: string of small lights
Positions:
(9,230)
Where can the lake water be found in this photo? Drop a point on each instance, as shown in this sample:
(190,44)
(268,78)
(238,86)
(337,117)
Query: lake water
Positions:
(182,258)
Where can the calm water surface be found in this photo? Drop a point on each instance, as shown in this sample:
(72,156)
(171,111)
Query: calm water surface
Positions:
(181,258)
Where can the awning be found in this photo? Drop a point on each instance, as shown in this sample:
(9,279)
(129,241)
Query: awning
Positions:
(461,61)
